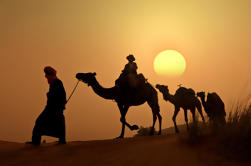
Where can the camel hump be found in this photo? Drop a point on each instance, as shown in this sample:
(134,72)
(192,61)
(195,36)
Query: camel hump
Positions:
(185,91)
(214,99)
(136,80)
(132,80)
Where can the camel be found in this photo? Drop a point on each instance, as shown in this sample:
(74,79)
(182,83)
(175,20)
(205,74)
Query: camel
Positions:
(214,107)
(124,99)
(183,98)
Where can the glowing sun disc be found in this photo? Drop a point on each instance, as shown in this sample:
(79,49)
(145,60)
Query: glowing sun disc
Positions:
(169,63)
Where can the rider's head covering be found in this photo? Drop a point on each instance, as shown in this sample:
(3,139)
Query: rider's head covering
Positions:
(130,58)
(50,71)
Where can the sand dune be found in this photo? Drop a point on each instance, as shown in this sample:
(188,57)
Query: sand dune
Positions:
(154,150)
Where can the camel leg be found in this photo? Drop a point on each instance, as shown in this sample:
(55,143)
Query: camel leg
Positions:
(160,123)
(201,114)
(123,111)
(155,112)
(123,128)
(133,127)
(186,119)
(122,119)
(193,114)
(176,111)
(159,118)
(154,120)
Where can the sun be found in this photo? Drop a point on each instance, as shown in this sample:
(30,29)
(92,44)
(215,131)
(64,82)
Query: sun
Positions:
(169,63)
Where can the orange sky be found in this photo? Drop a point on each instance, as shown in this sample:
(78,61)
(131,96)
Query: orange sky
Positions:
(81,36)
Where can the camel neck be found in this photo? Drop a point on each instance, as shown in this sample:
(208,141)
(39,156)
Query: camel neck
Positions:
(203,101)
(107,93)
(170,98)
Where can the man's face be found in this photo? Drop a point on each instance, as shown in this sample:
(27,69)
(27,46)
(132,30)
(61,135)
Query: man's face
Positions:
(50,78)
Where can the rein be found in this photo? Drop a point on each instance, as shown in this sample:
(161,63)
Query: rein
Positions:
(72,92)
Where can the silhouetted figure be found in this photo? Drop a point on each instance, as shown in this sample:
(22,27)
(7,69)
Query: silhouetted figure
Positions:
(131,66)
(183,98)
(129,80)
(128,76)
(51,121)
(214,107)
(144,93)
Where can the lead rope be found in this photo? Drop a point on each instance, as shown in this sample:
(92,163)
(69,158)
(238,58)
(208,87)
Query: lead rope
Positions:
(72,91)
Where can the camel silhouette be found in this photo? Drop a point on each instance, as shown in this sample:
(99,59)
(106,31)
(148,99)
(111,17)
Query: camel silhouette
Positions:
(183,98)
(214,107)
(124,99)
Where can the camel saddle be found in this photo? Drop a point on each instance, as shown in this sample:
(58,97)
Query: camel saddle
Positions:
(131,80)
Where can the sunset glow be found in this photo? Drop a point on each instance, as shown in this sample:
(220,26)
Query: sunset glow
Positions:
(212,37)
(169,63)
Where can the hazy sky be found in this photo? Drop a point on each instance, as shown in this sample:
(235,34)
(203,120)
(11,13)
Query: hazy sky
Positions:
(95,36)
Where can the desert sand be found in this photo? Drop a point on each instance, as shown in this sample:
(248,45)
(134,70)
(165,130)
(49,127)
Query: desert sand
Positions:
(138,151)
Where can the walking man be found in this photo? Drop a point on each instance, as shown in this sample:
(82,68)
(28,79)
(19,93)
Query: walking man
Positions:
(51,122)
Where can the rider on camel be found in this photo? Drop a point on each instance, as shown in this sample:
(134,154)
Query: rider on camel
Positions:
(129,76)
(131,66)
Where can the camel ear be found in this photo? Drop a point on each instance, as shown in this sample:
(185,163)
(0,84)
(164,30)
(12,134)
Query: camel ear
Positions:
(94,74)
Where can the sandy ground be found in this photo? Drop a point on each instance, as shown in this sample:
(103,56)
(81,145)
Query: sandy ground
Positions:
(154,150)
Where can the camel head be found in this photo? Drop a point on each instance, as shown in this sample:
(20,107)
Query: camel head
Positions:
(87,78)
(164,90)
(201,94)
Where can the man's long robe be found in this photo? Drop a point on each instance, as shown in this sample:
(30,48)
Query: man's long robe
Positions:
(51,121)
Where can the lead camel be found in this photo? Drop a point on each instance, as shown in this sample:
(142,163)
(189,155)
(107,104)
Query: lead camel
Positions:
(124,99)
